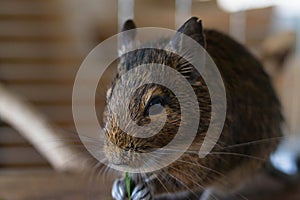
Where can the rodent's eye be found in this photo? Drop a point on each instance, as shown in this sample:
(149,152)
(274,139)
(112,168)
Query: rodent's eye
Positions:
(155,106)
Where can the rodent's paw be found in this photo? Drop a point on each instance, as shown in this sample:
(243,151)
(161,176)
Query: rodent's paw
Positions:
(141,192)
(118,191)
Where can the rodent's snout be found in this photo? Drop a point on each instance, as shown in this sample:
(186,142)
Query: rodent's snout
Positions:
(121,156)
(156,112)
(114,154)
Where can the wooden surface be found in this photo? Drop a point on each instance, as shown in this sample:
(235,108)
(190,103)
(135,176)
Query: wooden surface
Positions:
(38,61)
(49,185)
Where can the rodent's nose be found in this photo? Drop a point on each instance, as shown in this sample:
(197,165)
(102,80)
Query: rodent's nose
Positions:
(116,157)
(116,160)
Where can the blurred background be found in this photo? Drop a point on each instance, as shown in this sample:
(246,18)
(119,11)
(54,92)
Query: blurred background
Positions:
(42,44)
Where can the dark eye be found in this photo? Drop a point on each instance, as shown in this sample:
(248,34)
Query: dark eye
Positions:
(155,106)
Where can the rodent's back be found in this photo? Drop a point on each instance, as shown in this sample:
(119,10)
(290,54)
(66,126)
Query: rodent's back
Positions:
(252,128)
(252,104)
(253,120)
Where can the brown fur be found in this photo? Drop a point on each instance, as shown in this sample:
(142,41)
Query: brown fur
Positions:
(253,114)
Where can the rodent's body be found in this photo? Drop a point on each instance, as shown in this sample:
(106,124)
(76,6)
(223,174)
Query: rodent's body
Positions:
(253,116)
(252,126)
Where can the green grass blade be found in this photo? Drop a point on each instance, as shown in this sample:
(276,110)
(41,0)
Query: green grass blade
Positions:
(128,182)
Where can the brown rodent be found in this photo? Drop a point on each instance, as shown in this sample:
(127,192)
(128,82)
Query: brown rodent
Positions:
(250,133)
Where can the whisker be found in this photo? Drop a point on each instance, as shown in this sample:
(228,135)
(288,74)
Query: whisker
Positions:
(223,181)
(176,179)
(202,166)
(161,182)
(191,178)
(184,185)
(91,180)
(253,142)
(239,154)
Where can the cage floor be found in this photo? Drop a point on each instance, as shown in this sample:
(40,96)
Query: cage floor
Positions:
(50,185)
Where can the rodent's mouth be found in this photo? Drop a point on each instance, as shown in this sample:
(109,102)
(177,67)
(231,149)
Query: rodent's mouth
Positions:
(119,165)
(124,162)
(120,158)
(126,166)
(115,160)
(118,162)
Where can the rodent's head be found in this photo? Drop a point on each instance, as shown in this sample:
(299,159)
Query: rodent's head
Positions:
(149,102)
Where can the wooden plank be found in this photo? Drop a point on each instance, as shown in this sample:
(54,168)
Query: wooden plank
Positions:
(20,156)
(32,24)
(9,136)
(15,28)
(62,112)
(34,31)
(35,50)
(259,17)
(59,114)
(48,185)
(37,81)
(18,60)
(47,72)
(37,39)
(47,67)
(160,17)
(46,93)
(19,72)
(27,7)
(211,15)
(29,17)
(49,92)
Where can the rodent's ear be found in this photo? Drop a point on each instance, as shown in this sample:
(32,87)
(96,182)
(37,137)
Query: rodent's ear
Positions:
(127,38)
(192,28)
